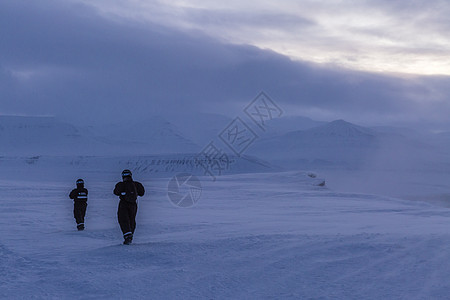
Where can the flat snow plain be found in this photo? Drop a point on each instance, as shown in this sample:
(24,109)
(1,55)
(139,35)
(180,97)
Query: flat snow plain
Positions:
(250,236)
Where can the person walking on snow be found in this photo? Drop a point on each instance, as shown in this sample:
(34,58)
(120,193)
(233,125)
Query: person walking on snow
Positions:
(128,190)
(79,196)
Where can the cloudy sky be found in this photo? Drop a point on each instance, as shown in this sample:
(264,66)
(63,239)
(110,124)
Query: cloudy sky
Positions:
(372,62)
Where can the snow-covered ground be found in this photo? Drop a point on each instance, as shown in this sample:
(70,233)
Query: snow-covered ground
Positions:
(251,236)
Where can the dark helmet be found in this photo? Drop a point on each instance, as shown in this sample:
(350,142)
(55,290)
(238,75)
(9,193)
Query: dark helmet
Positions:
(126,173)
(80,181)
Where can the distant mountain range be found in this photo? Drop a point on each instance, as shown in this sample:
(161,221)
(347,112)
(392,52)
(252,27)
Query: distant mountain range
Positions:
(50,136)
(291,142)
(20,135)
(336,143)
(41,135)
(340,144)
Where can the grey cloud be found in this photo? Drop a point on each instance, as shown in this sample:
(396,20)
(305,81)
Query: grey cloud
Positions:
(79,65)
(231,18)
(423,16)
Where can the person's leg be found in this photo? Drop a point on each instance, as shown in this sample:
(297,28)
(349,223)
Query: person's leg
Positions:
(78,214)
(124,220)
(75,212)
(83,207)
(83,211)
(133,212)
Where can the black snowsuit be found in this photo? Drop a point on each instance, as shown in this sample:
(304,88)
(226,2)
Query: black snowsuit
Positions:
(128,190)
(79,196)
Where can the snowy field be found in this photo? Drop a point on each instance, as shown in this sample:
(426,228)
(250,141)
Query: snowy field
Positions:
(251,236)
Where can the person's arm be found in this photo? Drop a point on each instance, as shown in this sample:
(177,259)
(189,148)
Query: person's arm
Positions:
(72,194)
(140,189)
(117,189)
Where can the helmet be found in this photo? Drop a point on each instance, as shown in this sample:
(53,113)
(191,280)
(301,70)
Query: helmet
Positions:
(80,181)
(126,173)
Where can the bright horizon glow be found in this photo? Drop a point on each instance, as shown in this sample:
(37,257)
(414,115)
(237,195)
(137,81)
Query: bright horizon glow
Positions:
(375,36)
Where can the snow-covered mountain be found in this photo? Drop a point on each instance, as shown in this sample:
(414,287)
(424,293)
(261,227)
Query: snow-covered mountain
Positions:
(154,147)
(65,168)
(49,136)
(204,127)
(154,135)
(343,145)
(337,143)
(42,135)
(201,128)
(283,125)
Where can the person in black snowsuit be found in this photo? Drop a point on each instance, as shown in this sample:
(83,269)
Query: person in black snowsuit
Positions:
(79,196)
(128,190)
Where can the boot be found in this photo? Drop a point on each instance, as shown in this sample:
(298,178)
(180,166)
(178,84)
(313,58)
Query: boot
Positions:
(128,239)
